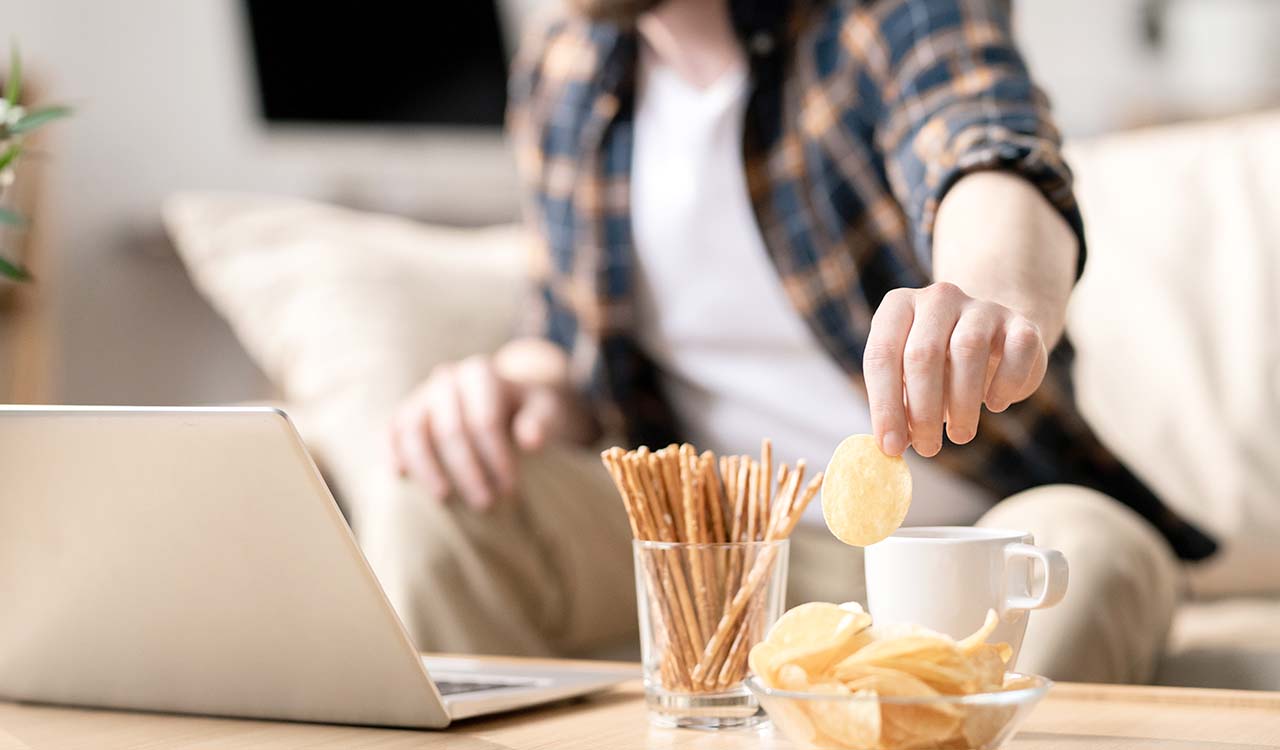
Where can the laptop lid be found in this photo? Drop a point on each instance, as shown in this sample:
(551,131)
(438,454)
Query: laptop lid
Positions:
(190,560)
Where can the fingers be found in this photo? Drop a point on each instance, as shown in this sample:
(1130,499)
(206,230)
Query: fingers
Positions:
(1023,361)
(537,420)
(969,359)
(924,363)
(455,449)
(484,408)
(411,447)
(882,369)
(452,434)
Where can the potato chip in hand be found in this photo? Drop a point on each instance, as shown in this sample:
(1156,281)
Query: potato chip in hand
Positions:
(865,493)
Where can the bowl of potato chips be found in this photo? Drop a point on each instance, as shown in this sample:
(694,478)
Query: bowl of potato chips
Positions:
(828,678)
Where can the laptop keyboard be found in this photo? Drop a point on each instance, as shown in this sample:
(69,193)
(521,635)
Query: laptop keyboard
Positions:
(454,687)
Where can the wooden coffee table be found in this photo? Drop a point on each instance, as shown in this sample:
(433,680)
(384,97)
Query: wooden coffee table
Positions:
(1072,717)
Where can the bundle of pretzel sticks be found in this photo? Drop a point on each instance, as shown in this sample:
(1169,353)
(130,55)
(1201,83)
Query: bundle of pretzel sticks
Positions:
(707,602)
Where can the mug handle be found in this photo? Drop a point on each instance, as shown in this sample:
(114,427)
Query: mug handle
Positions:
(1055,576)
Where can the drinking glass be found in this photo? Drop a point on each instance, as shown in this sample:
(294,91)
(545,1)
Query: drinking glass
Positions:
(702,607)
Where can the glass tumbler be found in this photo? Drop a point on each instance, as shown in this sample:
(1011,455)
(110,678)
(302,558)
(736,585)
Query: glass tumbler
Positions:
(702,607)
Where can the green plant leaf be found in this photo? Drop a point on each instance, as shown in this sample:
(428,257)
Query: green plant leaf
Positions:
(12,218)
(14,271)
(39,117)
(13,86)
(9,155)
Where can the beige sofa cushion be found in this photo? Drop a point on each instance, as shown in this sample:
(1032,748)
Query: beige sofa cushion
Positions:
(346,311)
(1177,321)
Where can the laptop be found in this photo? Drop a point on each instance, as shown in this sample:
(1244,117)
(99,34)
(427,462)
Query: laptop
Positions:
(192,560)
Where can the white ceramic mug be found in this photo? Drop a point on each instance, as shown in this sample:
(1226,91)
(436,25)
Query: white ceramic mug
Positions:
(947,577)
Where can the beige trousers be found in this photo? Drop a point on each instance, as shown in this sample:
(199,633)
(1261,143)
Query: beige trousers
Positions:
(550,572)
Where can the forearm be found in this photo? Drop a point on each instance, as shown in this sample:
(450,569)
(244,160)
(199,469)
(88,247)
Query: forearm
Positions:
(998,239)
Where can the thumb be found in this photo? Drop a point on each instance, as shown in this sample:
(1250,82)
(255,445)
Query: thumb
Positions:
(537,419)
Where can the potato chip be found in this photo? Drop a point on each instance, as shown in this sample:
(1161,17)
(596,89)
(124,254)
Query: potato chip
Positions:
(984,726)
(851,723)
(988,666)
(793,677)
(865,493)
(903,725)
(908,725)
(926,647)
(792,719)
(951,678)
(825,649)
(980,636)
(892,683)
(813,636)
(1021,682)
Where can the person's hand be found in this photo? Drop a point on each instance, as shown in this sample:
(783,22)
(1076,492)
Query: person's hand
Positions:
(460,429)
(936,355)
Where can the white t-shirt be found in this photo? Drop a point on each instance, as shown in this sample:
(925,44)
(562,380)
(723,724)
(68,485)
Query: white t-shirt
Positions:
(736,358)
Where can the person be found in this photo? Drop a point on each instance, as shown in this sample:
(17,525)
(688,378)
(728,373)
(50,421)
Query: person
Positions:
(800,220)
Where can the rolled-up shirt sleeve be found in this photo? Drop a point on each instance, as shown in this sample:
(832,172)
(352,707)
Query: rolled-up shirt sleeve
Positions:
(955,97)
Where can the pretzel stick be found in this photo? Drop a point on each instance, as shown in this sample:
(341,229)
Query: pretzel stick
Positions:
(725,677)
(741,473)
(787,491)
(686,627)
(717,648)
(651,480)
(781,503)
(715,497)
(677,649)
(784,500)
(766,481)
(675,580)
(650,476)
(714,532)
(706,605)
(725,491)
(656,492)
(735,664)
(728,473)
(694,530)
(669,458)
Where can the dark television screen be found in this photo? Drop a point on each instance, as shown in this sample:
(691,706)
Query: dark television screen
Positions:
(379,61)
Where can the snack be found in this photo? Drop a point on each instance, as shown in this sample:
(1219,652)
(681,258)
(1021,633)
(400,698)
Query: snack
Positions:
(866,494)
(811,650)
(813,636)
(711,611)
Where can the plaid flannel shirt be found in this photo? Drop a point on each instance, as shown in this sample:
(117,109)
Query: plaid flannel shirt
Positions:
(861,115)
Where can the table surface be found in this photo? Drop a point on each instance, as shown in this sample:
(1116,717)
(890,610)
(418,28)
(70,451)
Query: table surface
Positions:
(1072,717)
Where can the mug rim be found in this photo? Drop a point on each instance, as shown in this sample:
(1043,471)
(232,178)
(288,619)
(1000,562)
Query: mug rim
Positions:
(954,535)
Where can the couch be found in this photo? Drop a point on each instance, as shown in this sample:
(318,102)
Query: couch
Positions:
(1176,323)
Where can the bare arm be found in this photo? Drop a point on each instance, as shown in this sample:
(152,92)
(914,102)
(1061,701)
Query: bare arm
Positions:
(998,239)
(1004,264)
(972,156)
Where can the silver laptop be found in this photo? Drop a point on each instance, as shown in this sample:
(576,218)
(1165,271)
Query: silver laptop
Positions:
(192,560)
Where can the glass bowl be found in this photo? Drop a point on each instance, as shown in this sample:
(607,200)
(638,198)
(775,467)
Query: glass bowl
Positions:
(980,721)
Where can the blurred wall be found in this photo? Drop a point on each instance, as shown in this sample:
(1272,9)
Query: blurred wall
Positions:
(164,98)
(164,102)
(1111,64)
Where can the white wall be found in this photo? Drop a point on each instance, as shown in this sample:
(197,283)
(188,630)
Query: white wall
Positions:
(1215,57)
